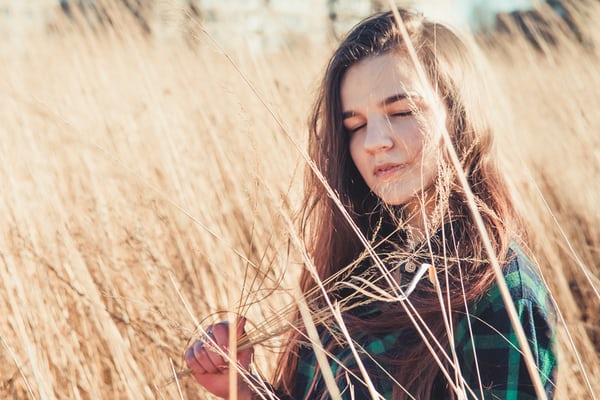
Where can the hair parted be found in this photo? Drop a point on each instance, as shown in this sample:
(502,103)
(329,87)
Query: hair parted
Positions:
(451,68)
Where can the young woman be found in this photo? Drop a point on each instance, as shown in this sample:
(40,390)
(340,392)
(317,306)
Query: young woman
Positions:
(397,99)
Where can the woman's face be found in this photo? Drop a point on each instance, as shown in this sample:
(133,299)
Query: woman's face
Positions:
(394,142)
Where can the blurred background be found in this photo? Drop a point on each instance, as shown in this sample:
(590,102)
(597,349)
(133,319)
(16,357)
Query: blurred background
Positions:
(264,24)
(151,163)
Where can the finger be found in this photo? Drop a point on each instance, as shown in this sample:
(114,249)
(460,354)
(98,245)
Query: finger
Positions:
(244,357)
(208,358)
(191,358)
(241,327)
(209,355)
(221,331)
(220,334)
(217,347)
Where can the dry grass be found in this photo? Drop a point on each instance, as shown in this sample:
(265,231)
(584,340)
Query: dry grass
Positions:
(139,175)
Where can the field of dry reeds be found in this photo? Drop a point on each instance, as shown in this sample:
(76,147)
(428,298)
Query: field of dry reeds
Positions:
(149,185)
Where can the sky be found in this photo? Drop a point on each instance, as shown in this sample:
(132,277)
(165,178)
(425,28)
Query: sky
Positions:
(257,27)
(473,13)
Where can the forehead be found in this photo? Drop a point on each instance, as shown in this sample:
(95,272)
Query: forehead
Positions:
(378,77)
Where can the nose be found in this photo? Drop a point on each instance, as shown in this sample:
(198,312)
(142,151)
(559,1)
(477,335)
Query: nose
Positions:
(378,136)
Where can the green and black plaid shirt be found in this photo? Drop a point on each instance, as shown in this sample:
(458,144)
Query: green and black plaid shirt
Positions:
(500,371)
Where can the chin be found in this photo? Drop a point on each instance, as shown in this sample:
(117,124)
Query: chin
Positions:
(392,199)
(401,195)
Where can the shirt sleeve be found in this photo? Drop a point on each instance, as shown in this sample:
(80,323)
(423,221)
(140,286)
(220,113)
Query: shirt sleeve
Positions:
(490,357)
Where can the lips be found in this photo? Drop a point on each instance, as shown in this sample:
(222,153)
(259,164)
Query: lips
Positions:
(387,169)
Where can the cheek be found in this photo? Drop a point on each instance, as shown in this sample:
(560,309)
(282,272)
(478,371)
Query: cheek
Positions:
(409,136)
(354,149)
(426,148)
(430,167)
(424,140)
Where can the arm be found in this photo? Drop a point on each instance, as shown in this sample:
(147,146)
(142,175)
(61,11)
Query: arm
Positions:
(490,359)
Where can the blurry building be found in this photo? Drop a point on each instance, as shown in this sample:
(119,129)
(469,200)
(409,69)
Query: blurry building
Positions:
(272,23)
(261,24)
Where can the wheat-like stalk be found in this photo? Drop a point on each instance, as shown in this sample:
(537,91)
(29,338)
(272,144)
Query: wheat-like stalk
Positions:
(138,171)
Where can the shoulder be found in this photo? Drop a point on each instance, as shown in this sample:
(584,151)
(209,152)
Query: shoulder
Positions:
(486,333)
(524,283)
(529,294)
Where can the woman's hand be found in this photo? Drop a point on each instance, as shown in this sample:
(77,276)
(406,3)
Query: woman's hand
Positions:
(209,365)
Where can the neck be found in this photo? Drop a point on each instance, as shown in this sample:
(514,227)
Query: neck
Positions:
(416,230)
(420,215)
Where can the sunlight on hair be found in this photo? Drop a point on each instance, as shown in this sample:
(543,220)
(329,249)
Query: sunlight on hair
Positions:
(151,184)
(530,361)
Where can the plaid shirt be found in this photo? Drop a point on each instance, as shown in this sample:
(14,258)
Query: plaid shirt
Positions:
(500,371)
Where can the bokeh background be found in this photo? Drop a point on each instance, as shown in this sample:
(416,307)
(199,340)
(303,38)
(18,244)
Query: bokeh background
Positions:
(151,162)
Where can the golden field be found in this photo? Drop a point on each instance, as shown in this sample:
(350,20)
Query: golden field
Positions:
(150,185)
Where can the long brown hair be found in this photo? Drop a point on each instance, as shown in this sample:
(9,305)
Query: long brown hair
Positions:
(450,67)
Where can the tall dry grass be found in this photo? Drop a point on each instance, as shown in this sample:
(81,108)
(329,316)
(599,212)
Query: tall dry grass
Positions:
(146,187)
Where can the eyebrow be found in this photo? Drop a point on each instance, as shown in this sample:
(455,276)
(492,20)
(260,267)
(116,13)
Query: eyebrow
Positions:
(394,98)
(387,101)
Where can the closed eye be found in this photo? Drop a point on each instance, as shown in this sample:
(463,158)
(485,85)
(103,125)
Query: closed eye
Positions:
(355,128)
(406,113)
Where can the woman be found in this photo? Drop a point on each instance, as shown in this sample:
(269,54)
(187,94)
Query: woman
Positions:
(397,103)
